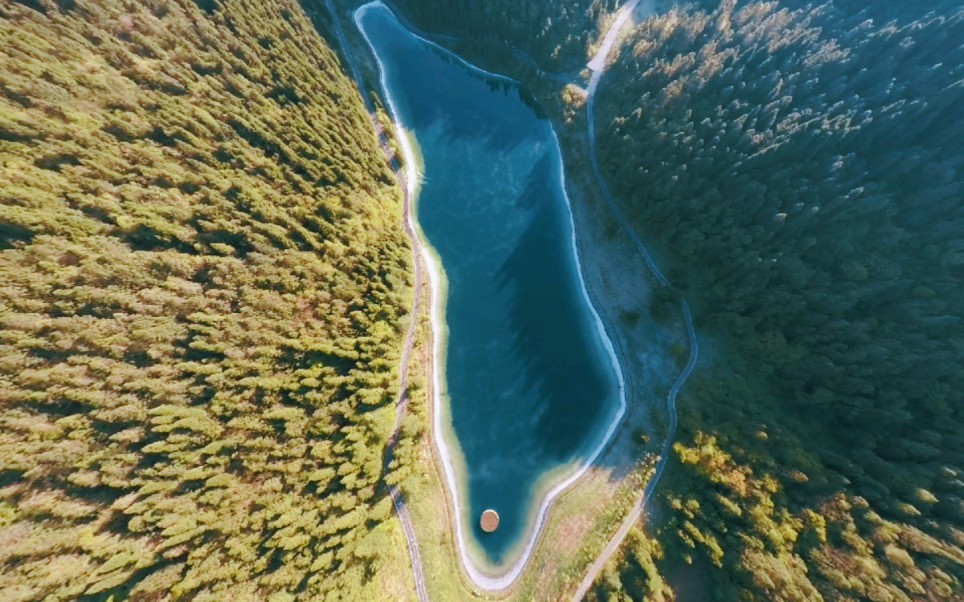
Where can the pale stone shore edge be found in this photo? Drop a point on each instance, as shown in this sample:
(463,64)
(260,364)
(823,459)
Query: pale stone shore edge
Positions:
(479,578)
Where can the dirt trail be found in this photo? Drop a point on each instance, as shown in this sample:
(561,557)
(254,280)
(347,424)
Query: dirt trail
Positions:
(401,403)
(598,66)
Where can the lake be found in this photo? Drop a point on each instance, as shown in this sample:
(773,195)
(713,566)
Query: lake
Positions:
(529,386)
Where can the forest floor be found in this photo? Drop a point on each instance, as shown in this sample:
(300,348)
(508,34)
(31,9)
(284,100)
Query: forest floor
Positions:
(625,292)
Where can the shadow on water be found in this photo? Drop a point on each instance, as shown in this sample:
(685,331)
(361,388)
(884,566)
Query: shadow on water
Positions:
(557,355)
(480,95)
(477,96)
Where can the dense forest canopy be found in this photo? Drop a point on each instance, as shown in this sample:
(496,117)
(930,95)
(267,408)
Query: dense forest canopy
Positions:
(555,33)
(202,274)
(802,168)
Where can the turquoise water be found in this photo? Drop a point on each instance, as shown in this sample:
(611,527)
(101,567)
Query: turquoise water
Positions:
(531,384)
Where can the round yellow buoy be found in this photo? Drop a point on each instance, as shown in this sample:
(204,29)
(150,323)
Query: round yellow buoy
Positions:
(489,521)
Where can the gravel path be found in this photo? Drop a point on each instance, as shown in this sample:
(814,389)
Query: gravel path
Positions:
(598,66)
(401,404)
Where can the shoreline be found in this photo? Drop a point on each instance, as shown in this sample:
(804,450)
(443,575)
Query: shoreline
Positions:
(598,65)
(482,579)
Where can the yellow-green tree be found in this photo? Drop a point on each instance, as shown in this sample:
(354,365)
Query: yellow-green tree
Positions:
(202,277)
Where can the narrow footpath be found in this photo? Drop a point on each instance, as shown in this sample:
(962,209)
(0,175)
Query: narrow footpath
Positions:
(401,403)
(598,66)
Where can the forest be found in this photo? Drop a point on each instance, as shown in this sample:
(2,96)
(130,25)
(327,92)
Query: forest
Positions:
(802,169)
(203,277)
(797,167)
(552,36)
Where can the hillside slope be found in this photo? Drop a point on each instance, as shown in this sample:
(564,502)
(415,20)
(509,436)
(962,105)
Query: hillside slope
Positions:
(202,277)
(802,169)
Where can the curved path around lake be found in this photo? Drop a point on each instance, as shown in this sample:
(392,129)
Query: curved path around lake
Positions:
(408,183)
(401,403)
(481,579)
(598,66)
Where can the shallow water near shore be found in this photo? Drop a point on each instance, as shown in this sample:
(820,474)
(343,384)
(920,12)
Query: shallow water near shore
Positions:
(531,380)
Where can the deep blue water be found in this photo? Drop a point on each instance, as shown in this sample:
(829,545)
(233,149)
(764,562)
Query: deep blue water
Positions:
(531,383)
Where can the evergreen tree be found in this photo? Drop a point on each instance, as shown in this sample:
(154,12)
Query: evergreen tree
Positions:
(202,278)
